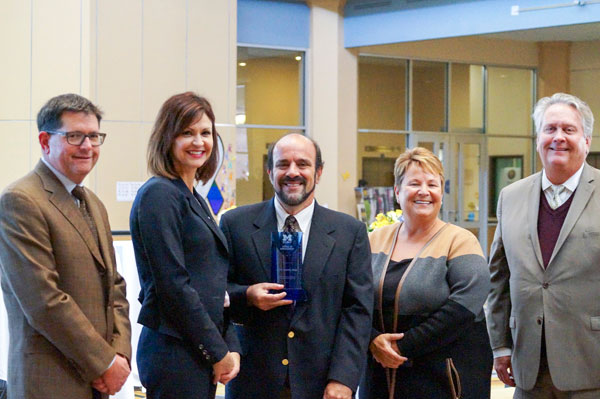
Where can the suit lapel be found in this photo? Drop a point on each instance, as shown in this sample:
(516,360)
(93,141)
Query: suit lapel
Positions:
(265,223)
(94,209)
(65,204)
(581,197)
(200,208)
(320,245)
(532,217)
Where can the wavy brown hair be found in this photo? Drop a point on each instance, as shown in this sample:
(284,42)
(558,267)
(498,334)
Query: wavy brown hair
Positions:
(176,115)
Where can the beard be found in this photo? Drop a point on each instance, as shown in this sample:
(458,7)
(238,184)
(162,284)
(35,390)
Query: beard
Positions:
(297,198)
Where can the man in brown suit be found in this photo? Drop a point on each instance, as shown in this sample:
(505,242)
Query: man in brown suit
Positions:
(68,316)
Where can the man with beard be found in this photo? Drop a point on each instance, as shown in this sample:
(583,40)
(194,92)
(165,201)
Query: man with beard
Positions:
(309,349)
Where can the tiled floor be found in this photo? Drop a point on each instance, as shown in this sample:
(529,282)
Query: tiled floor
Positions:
(498,391)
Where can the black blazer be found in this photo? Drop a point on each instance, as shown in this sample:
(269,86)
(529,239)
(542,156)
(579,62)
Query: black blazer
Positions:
(181,257)
(323,339)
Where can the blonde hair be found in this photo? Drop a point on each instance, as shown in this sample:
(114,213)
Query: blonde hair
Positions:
(421,157)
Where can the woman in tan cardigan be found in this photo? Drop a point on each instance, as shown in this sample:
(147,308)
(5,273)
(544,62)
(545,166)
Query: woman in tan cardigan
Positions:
(429,337)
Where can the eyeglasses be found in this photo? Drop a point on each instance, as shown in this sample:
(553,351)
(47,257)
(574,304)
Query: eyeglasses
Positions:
(77,138)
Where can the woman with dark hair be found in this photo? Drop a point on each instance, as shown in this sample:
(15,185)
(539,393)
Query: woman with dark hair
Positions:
(185,347)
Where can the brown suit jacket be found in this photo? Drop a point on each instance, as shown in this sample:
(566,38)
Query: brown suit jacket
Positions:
(66,305)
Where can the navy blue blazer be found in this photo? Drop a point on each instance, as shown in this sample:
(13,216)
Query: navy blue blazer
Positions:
(182,262)
(323,339)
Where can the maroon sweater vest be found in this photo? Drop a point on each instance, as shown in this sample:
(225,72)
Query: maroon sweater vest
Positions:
(550,222)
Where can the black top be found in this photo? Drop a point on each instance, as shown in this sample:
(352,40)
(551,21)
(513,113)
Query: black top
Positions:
(393,275)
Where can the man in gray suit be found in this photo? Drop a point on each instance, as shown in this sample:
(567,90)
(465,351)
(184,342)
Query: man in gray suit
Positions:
(67,310)
(544,307)
(314,348)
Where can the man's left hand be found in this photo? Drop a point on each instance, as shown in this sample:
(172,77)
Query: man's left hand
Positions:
(336,390)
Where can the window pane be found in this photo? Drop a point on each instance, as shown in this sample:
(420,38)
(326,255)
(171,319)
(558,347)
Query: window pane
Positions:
(429,96)
(470,189)
(509,101)
(466,98)
(270,86)
(377,153)
(381,93)
(509,160)
(252,180)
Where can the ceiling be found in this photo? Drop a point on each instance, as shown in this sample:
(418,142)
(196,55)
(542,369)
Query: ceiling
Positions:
(570,33)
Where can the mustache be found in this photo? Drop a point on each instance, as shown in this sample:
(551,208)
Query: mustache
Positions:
(297,179)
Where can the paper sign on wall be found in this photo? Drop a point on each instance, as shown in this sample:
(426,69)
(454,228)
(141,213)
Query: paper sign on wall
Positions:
(126,190)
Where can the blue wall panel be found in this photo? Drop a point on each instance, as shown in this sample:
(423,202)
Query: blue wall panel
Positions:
(458,19)
(272,23)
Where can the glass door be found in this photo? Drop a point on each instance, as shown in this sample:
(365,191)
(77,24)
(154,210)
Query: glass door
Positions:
(439,145)
(465,191)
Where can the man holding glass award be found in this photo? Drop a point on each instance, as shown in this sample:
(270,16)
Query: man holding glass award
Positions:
(300,286)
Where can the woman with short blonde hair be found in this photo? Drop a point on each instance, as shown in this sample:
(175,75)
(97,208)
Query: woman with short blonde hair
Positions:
(429,338)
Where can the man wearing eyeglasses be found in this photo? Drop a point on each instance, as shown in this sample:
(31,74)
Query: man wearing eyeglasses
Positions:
(68,316)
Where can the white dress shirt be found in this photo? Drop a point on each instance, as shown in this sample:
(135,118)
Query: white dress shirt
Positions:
(570,186)
(69,185)
(304,218)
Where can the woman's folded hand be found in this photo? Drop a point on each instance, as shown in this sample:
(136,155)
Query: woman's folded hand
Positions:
(386,352)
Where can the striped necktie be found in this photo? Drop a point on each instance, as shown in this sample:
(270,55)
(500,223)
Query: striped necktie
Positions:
(79,193)
(557,190)
(291,225)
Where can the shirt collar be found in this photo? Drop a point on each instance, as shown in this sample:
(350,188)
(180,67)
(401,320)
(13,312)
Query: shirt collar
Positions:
(303,217)
(571,183)
(69,185)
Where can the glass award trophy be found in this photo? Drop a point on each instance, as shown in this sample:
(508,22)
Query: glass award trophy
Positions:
(286,264)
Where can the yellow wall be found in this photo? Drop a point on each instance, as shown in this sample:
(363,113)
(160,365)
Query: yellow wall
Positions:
(553,68)
(470,49)
(381,95)
(509,101)
(249,189)
(272,87)
(585,79)
(379,145)
(128,57)
(429,96)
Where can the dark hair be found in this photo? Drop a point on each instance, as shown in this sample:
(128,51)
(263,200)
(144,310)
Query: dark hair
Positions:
(49,117)
(177,114)
(318,160)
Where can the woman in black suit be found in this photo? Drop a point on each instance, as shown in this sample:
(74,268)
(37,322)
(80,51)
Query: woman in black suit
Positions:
(185,347)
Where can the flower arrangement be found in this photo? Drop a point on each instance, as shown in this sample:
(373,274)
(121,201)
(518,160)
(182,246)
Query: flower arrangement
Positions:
(381,219)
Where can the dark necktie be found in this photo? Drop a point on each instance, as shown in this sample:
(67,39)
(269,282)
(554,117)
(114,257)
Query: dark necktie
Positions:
(291,225)
(79,193)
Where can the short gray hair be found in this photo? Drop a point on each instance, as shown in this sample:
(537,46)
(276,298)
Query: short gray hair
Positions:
(587,117)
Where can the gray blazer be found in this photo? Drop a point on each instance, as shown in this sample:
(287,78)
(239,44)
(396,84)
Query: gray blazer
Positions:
(564,299)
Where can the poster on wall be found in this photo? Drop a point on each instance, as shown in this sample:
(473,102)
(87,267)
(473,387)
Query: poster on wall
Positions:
(505,169)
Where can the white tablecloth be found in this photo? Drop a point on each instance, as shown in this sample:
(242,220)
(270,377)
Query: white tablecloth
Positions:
(126,266)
